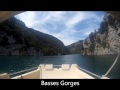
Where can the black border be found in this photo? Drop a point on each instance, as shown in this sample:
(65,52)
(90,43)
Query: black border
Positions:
(36,83)
(59,5)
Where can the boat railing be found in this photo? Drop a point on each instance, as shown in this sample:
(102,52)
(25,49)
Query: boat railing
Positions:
(22,71)
(95,75)
(26,70)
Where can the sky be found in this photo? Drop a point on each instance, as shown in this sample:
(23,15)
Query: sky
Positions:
(67,26)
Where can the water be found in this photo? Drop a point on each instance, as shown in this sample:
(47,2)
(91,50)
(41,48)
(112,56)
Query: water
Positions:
(96,64)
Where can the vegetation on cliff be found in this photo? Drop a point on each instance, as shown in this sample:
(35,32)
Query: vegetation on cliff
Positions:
(103,41)
(17,39)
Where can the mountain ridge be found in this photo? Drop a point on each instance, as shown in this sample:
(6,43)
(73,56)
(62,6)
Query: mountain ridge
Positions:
(17,39)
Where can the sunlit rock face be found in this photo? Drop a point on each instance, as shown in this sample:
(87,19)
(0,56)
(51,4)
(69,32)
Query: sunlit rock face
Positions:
(104,41)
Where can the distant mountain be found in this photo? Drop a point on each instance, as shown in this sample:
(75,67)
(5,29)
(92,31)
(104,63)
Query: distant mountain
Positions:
(17,39)
(104,41)
(75,48)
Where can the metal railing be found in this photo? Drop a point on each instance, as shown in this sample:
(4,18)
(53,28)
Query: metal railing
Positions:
(112,66)
(95,75)
(22,71)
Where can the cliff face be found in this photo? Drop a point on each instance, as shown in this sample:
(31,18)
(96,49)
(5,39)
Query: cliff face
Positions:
(104,41)
(17,39)
(75,47)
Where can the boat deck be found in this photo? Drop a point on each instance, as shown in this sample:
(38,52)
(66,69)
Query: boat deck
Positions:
(65,72)
(49,71)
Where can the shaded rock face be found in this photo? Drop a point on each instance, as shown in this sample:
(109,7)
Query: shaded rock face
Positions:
(104,41)
(75,47)
(17,39)
(32,51)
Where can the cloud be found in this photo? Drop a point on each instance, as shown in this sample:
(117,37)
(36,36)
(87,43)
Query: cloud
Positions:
(68,26)
(77,18)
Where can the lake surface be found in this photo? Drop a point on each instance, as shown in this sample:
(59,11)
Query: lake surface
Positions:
(96,64)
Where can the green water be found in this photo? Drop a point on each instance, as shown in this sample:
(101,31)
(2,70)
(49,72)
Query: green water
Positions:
(96,64)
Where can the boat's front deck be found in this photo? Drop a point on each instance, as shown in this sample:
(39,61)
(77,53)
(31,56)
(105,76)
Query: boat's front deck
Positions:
(65,72)
(48,72)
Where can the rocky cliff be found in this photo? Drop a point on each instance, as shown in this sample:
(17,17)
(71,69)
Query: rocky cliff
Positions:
(104,41)
(75,48)
(17,39)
